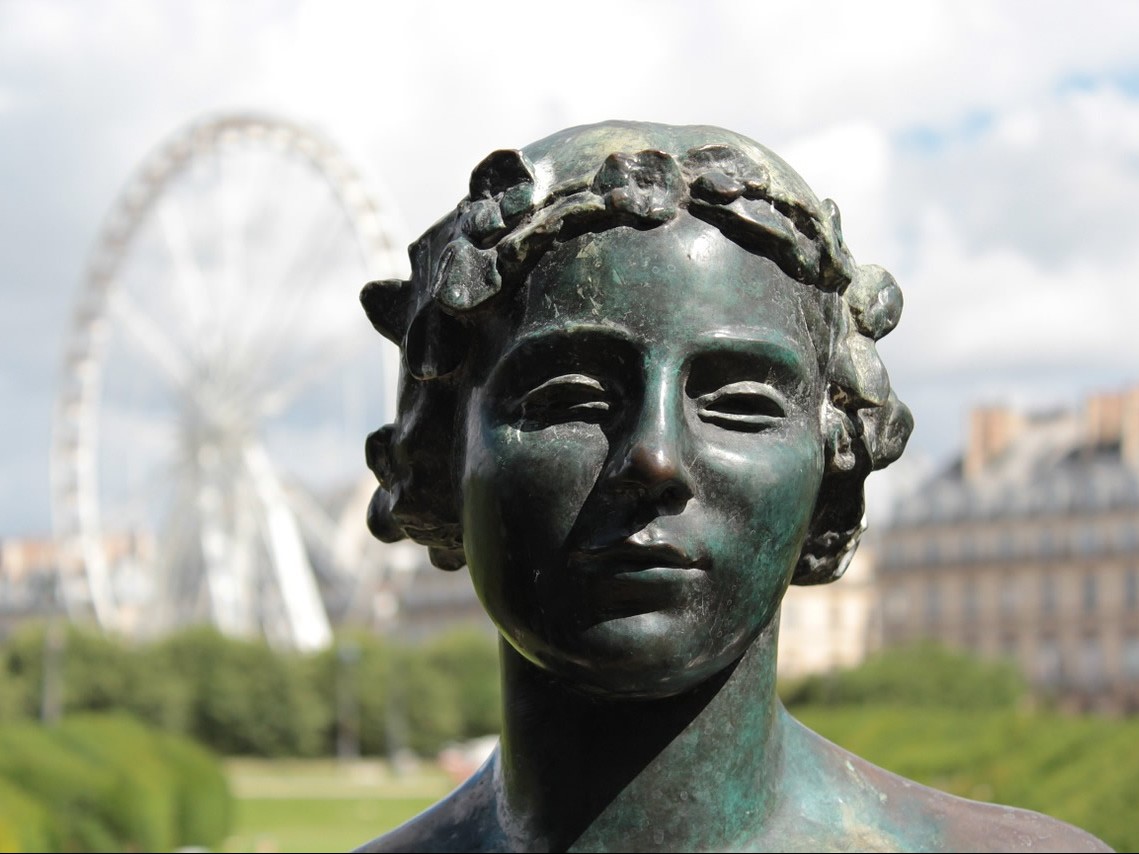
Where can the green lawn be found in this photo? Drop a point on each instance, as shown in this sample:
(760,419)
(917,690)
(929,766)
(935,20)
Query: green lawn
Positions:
(323,805)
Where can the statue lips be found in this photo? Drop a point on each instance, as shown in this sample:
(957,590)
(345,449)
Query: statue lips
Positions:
(637,574)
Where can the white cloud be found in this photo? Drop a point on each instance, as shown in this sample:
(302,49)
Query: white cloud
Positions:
(851,163)
(999,309)
(1055,177)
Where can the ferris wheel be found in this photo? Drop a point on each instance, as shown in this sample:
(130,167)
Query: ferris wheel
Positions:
(218,382)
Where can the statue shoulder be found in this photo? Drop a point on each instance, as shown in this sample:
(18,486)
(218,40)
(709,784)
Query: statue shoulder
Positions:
(464,821)
(990,827)
(889,812)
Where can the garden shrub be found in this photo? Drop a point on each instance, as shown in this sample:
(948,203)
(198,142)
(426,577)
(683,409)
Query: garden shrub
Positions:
(74,787)
(140,807)
(925,675)
(203,802)
(108,783)
(246,698)
(25,822)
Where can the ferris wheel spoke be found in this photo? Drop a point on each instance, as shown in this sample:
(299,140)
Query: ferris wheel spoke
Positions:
(188,280)
(319,525)
(304,609)
(176,581)
(278,331)
(151,493)
(234,208)
(233,265)
(147,335)
(265,213)
(276,399)
(228,589)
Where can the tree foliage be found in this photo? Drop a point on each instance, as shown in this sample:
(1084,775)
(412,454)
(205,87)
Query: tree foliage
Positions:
(242,697)
(924,675)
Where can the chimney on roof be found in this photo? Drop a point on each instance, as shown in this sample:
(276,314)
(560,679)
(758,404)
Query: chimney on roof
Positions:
(1112,418)
(1103,418)
(991,430)
(1129,443)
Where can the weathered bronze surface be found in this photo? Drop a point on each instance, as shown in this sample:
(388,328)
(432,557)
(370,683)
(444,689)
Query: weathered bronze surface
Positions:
(640,396)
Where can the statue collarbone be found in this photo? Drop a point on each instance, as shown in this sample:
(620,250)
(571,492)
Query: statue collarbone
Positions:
(640,397)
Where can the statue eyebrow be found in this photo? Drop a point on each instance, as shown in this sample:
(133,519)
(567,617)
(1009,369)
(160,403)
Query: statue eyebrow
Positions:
(774,347)
(578,334)
(551,352)
(568,379)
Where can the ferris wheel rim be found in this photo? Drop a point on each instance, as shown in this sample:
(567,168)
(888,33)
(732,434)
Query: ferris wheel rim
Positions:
(76,523)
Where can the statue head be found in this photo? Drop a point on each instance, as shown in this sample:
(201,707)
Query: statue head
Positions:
(625,323)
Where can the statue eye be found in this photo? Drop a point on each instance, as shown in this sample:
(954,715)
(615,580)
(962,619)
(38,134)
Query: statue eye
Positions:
(746,405)
(570,397)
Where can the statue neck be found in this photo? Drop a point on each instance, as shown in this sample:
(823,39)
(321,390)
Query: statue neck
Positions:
(697,771)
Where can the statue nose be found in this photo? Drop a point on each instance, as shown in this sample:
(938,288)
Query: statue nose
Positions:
(655,472)
(652,463)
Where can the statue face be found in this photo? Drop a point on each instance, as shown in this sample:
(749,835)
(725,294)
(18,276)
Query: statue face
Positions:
(643,456)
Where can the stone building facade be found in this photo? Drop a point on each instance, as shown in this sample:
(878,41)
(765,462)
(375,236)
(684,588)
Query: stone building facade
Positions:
(827,627)
(1028,548)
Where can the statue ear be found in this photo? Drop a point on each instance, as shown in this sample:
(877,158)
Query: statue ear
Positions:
(388,304)
(435,344)
(838,440)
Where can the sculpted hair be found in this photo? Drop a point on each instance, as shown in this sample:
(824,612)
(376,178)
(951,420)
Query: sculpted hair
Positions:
(590,179)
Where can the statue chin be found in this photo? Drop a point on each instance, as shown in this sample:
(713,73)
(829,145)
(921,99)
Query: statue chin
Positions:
(639,657)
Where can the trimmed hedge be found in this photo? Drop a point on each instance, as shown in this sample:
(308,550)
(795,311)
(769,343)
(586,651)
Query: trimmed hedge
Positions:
(243,698)
(924,674)
(107,783)
(204,806)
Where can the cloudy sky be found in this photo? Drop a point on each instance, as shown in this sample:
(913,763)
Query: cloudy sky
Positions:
(987,154)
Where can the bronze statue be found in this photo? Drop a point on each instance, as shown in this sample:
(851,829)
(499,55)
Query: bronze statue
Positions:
(640,396)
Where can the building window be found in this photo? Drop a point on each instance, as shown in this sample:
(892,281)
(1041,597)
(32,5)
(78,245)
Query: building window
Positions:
(1131,589)
(1091,662)
(1048,594)
(932,602)
(1047,542)
(1008,595)
(1131,656)
(896,554)
(932,551)
(1006,545)
(897,606)
(1049,664)
(1090,594)
(1129,539)
(1086,540)
(968,549)
(969,597)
